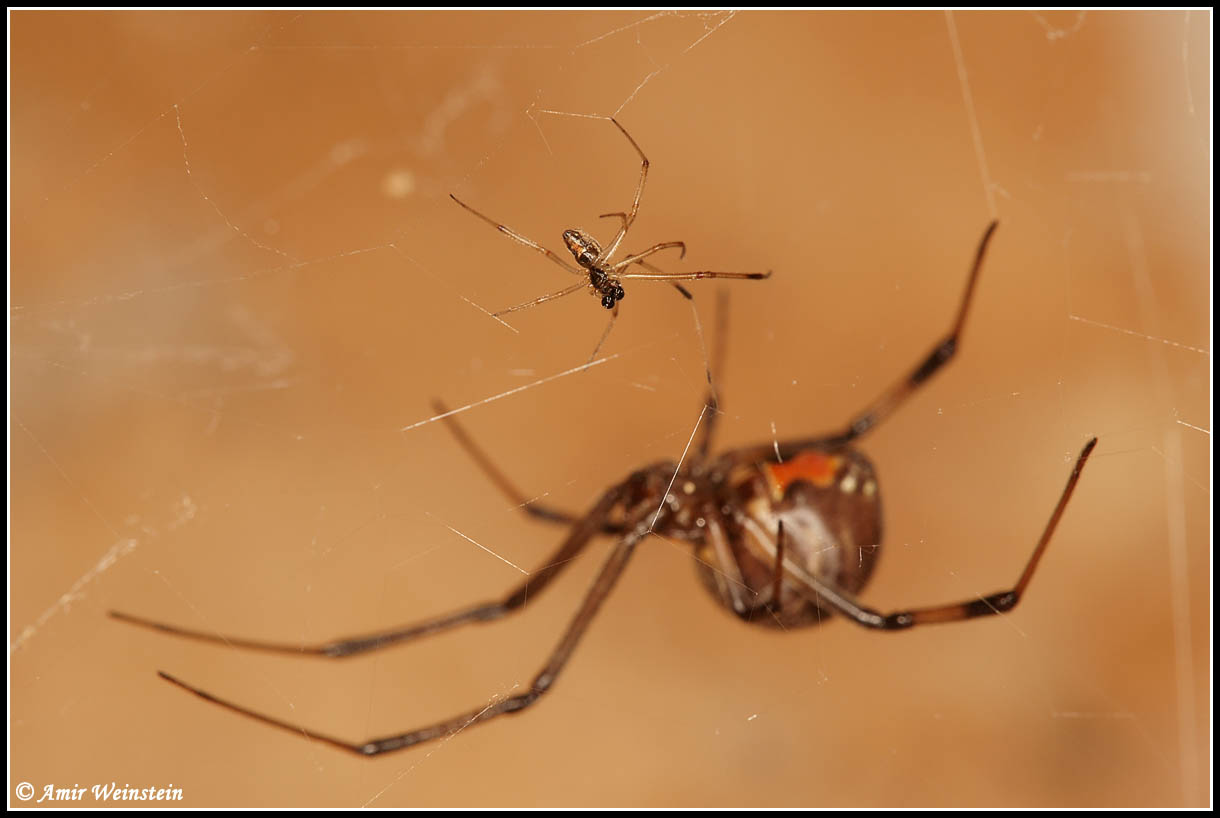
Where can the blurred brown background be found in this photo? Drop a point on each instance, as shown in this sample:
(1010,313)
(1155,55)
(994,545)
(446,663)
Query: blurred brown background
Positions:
(236,274)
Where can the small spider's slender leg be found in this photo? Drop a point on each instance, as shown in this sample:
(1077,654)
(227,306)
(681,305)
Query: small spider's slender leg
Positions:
(610,572)
(520,239)
(661,276)
(710,367)
(543,299)
(712,402)
(609,252)
(714,370)
(519,597)
(1001,602)
(656,248)
(893,397)
(636,259)
(605,333)
(621,216)
(506,487)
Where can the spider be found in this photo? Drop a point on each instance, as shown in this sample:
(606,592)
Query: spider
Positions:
(600,276)
(785,535)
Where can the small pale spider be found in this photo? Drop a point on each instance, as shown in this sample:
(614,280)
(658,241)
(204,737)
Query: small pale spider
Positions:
(785,534)
(602,276)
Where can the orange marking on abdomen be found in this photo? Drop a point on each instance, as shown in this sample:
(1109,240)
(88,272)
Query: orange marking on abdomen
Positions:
(812,467)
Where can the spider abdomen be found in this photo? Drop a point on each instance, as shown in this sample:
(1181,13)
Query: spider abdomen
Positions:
(607,286)
(830,507)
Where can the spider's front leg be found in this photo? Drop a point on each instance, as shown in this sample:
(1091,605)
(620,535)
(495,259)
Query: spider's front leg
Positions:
(639,193)
(520,239)
(941,353)
(595,522)
(611,570)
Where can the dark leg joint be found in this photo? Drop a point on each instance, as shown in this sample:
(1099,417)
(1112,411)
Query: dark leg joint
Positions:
(860,425)
(494,612)
(542,683)
(935,361)
(346,649)
(521,702)
(546,514)
(995,603)
(897,621)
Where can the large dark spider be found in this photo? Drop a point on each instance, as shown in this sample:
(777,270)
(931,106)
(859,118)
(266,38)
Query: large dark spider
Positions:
(785,534)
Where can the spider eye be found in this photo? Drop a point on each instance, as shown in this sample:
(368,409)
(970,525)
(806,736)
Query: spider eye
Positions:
(608,302)
(619,293)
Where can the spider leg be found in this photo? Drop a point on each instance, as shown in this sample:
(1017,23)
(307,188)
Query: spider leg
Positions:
(703,447)
(635,205)
(893,397)
(661,276)
(656,248)
(506,487)
(605,333)
(1001,602)
(543,299)
(520,596)
(714,369)
(705,433)
(636,259)
(606,579)
(520,239)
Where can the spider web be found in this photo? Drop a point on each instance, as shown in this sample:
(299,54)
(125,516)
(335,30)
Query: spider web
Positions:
(237,283)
